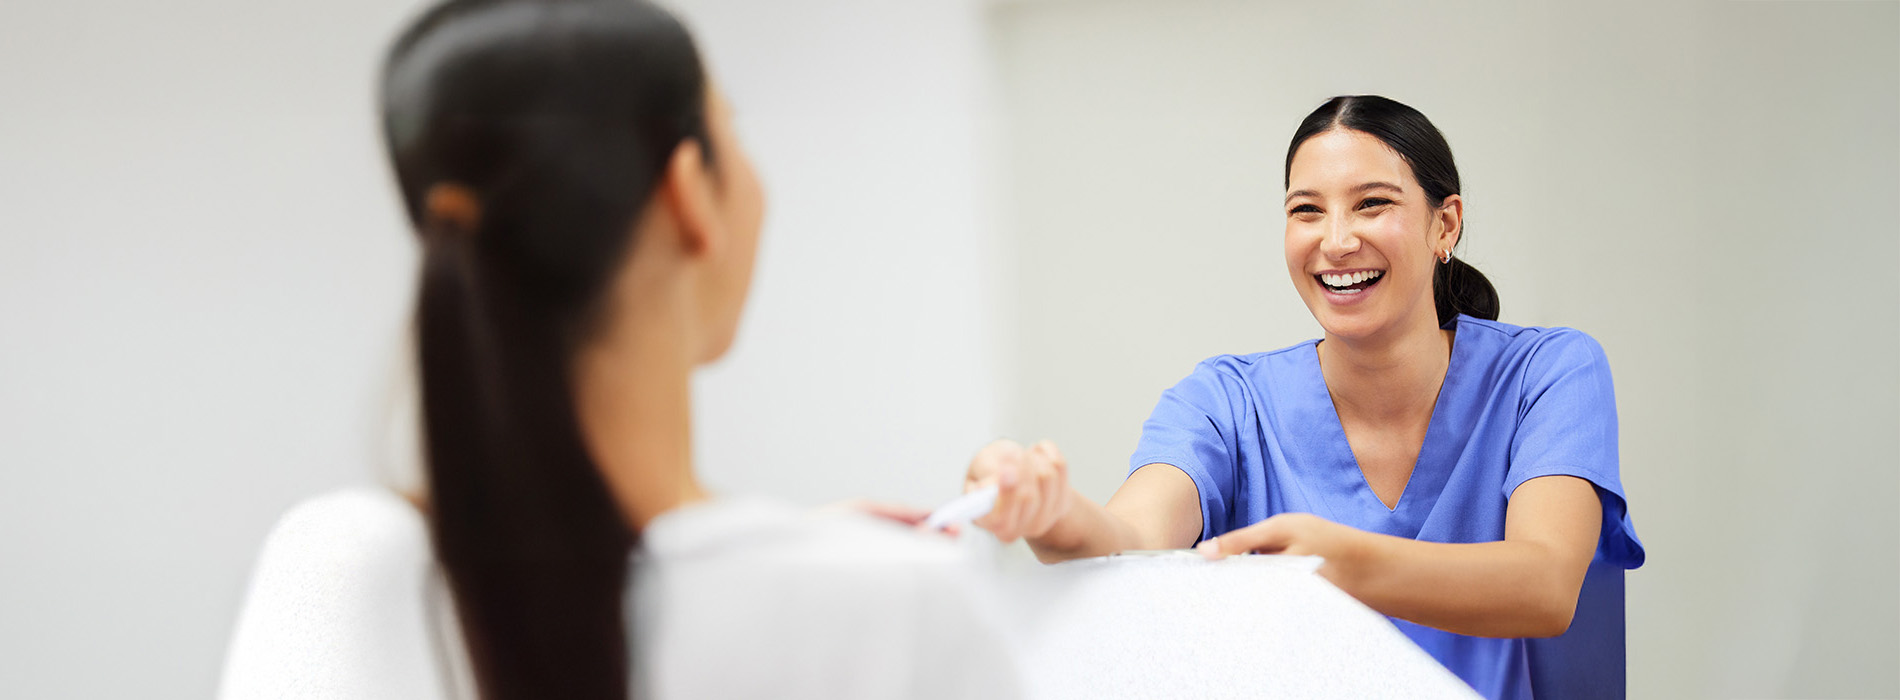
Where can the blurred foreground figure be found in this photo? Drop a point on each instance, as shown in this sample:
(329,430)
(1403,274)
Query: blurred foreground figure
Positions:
(588,224)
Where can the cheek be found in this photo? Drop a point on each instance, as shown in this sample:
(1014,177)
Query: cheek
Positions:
(755,198)
(1399,240)
(742,208)
(1393,226)
(1299,244)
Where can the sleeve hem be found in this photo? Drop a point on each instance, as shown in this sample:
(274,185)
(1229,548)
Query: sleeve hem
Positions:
(1206,493)
(1618,542)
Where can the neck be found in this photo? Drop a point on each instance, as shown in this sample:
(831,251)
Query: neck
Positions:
(1389,379)
(633,390)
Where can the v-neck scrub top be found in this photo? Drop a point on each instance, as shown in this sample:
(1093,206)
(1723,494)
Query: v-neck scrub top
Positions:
(1259,436)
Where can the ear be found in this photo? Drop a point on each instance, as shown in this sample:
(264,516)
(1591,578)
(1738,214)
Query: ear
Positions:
(686,189)
(1448,222)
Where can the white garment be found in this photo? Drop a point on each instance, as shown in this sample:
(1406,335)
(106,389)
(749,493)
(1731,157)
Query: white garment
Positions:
(735,598)
(742,598)
(338,606)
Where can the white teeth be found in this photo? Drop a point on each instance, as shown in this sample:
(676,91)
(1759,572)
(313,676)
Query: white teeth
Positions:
(1349,279)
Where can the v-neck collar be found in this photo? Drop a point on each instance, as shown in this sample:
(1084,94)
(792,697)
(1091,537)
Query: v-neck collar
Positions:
(1329,453)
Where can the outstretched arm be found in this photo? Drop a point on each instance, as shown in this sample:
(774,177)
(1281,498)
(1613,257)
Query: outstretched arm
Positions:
(1523,586)
(1158,507)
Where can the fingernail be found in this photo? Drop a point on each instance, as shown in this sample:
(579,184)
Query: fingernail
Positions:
(1209,548)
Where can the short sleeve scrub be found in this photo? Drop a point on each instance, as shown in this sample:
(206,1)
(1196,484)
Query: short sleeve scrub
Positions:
(1259,436)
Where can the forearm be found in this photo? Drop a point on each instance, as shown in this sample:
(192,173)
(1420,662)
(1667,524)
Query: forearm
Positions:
(1487,589)
(1089,529)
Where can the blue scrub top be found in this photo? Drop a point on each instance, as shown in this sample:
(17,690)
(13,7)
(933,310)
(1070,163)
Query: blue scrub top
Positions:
(1259,436)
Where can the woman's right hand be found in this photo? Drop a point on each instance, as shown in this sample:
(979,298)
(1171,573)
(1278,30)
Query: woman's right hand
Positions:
(1032,488)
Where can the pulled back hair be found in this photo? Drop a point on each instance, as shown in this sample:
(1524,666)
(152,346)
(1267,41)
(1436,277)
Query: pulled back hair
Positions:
(1457,287)
(548,123)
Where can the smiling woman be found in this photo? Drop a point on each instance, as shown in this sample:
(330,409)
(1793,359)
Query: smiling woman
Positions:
(1399,143)
(1458,474)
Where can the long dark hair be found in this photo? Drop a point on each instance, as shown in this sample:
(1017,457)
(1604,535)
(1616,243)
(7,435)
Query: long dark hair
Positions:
(1457,287)
(527,136)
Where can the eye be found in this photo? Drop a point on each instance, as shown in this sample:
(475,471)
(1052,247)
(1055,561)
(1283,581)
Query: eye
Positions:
(1305,209)
(1373,202)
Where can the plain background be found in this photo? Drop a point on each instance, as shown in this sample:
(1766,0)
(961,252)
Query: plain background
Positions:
(1020,218)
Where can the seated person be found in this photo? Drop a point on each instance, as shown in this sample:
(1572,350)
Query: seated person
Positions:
(1458,474)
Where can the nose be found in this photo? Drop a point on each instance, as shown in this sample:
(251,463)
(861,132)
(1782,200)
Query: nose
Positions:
(1340,240)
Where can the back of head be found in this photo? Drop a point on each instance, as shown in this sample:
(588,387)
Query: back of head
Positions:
(527,136)
(557,115)
(1457,287)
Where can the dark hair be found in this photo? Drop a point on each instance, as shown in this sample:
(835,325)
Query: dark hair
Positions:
(1457,287)
(548,124)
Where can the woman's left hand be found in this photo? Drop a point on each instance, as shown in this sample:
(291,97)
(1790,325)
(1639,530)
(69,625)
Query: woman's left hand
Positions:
(901,514)
(1295,533)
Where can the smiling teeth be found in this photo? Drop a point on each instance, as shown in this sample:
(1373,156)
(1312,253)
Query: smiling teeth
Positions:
(1350,278)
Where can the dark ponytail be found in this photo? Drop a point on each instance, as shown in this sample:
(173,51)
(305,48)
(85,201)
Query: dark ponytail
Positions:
(527,136)
(1457,287)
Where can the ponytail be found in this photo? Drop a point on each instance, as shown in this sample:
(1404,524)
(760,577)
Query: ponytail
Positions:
(534,548)
(1459,288)
(527,137)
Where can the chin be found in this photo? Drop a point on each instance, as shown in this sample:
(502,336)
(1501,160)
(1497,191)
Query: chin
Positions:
(716,353)
(720,347)
(1355,325)
(1349,329)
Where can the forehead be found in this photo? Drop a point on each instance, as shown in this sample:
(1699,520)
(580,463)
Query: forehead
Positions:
(1341,158)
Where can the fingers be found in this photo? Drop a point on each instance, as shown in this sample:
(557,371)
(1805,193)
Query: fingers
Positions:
(901,514)
(1032,488)
(984,465)
(998,463)
(1018,497)
(895,512)
(1052,475)
(1264,537)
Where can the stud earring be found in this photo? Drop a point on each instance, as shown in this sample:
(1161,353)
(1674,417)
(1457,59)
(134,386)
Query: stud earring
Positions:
(1447,257)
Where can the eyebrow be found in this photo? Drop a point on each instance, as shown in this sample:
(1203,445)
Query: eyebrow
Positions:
(1374,185)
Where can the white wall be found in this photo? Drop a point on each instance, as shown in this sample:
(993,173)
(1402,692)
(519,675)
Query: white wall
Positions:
(204,280)
(1705,187)
(866,362)
(202,276)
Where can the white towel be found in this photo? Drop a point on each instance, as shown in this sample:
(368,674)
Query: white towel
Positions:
(1244,627)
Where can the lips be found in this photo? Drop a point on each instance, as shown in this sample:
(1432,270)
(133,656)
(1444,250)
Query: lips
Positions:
(1349,282)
